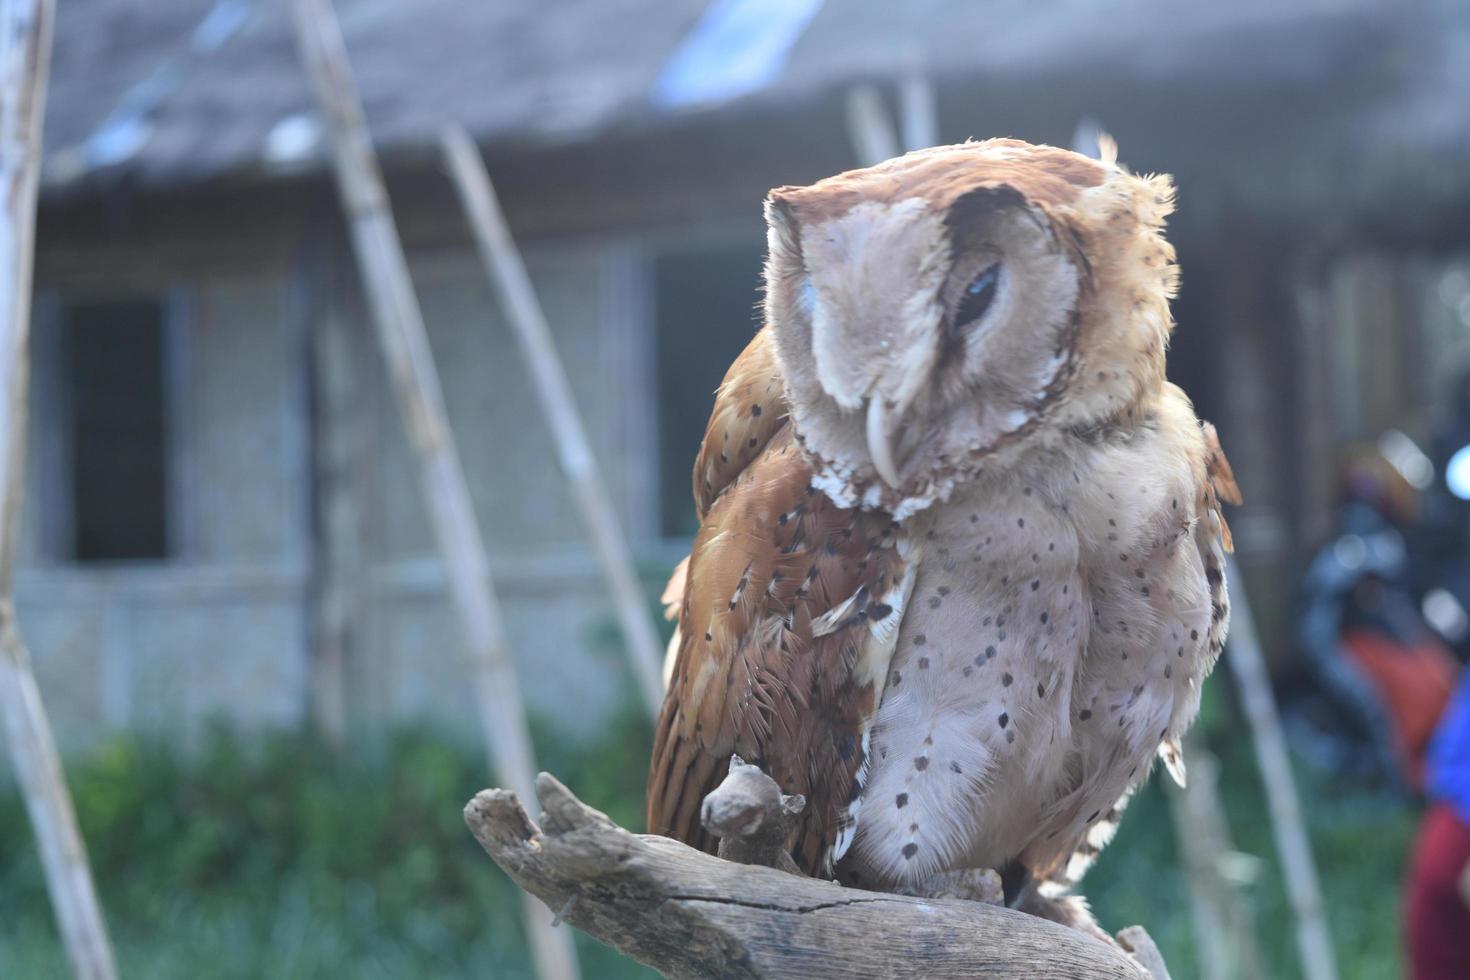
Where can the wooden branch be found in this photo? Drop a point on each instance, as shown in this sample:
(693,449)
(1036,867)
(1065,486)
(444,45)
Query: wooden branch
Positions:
(689,914)
(1140,945)
(752,818)
(25,57)
(405,345)
(1248,666)
(506,269)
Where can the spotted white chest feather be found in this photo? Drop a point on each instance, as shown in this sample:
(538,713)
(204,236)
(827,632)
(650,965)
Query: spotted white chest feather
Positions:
(1055,638)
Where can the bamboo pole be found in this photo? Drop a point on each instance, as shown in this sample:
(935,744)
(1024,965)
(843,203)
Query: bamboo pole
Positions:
(338,435)
(1226,942)
(1248,666)
(918,111)
(25,56)
(405,344)
(868,125)
(507,270)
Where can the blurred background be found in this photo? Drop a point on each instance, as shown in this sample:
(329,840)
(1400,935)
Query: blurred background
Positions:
(238,616)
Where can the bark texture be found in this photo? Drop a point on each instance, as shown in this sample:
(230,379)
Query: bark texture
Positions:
(688,914)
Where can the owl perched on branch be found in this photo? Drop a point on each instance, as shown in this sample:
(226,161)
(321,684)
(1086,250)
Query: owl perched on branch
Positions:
(959,574)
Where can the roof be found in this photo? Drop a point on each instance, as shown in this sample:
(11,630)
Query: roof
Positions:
(173,90)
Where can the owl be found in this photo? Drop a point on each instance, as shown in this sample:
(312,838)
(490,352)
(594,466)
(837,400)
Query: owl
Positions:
(959,574)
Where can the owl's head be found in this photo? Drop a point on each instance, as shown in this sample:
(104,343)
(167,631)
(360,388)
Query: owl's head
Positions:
(940,311)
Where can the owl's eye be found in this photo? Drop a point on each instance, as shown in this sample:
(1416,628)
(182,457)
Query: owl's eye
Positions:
(978,296)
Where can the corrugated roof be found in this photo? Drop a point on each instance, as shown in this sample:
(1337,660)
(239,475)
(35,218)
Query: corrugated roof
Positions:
(187,89)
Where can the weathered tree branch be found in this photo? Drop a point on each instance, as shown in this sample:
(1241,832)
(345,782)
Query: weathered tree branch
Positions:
(688,914)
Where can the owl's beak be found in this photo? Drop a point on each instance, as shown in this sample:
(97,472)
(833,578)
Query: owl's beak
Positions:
(880,442)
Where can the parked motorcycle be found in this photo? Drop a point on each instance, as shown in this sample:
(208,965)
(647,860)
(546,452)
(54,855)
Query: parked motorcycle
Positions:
(1379,672)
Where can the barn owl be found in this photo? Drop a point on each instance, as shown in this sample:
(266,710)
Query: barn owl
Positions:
(959,574)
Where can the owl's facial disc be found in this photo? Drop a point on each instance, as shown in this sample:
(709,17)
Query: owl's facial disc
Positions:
(913,343)
(869,290)
(976,311)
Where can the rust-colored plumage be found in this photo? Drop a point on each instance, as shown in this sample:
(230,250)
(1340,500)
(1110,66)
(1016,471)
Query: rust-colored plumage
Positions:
(750,407)
(1041,175)
(959,574)
(764,668)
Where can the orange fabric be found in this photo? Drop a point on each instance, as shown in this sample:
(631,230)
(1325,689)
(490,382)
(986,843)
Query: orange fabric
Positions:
(1415,683)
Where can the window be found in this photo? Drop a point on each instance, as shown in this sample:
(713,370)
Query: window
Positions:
(112,374)
(706,313)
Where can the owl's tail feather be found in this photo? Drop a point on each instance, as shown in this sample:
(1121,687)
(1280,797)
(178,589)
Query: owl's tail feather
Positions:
(1054,897)
(1050,895)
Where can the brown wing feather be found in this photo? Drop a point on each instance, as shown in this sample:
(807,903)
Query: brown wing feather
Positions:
(749,407)
(1213,542)
(776,661)
(1212,535)
(1222,483)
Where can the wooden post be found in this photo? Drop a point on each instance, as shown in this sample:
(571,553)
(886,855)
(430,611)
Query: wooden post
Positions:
(507,271)
(918,111)
(1222,928)
(25,56)
(868,125)
(1248,666)
(337,442)
(405,343)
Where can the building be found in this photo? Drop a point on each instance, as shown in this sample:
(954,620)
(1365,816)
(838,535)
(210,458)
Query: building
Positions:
(221,518)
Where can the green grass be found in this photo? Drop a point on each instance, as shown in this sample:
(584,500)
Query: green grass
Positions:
(1360,839)
(277,859)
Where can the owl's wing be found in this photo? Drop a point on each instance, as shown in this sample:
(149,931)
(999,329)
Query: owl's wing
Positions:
(1222,483)
(791,607)
(1203,542)
(750,406)
(1213,542)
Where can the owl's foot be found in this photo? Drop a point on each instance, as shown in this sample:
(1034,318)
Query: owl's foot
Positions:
(970,884)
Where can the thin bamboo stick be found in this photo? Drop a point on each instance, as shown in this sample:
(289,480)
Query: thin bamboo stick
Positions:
(507,270)
(918,111)
(868,125)
(25,57)
(405,344)
(1226,943)
(1248,666)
